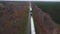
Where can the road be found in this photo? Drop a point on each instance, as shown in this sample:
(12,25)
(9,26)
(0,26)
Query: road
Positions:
(31,28)
(29,22)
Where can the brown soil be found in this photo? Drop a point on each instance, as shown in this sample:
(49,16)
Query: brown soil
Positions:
(43,22)
(13,17)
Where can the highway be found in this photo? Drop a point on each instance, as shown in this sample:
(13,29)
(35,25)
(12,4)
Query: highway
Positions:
(29,22)
(31,28)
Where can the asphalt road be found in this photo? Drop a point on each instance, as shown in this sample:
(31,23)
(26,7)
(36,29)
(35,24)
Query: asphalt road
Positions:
(29,22)
(30,28)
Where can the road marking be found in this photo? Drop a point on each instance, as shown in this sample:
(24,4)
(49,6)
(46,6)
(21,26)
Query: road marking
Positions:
(32,26)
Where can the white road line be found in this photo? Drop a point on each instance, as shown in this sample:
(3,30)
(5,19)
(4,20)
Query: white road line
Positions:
(32,26)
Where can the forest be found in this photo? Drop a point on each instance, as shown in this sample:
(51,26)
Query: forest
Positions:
(52,8)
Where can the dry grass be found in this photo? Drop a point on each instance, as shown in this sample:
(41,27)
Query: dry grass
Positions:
(14,18)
